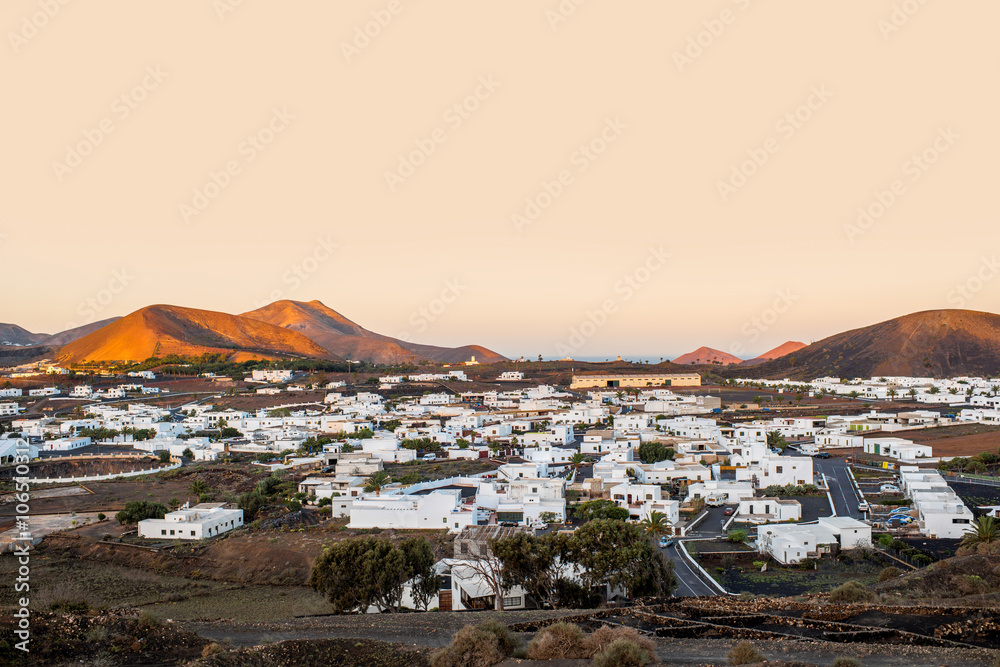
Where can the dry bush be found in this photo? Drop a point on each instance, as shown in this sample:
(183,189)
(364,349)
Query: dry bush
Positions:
(472,646)
(559,640)
(604,636)
(851,591)
(623,653)
(212,649)
(888,573)
(744,653)
(846,662)
(506,641)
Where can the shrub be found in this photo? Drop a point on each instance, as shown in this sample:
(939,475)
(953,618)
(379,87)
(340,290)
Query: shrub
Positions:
(758,564)
(846,662)
(212,649)
(601,640)
(737,536)
(471,646)
(622,653)
(558,641)
(889,573)
(744,653)
(101,516)
(851,591)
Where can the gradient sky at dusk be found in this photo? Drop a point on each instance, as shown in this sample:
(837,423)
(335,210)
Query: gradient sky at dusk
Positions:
(436,254)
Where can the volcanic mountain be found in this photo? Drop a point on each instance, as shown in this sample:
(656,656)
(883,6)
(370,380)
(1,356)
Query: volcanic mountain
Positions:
(707,355)
(938,343)
(163,330)
(11,334)
(780,351)
(344,338)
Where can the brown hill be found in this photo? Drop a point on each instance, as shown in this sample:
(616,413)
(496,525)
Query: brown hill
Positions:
(707,355)
(938,343)
(349,340)
(163,330)
(780,351)
(11,334)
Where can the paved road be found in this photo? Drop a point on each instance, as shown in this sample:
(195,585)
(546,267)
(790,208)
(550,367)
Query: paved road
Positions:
(845,498)
(689,583)
(711,525)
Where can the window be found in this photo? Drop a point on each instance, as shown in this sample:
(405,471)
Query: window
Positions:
(512,602)
(778,469)
(171,532)
(192,533)
(163,532)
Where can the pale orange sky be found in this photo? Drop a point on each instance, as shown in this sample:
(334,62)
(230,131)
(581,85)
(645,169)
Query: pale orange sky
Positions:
(873,86)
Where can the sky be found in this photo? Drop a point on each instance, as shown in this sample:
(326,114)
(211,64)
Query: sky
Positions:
(575,178)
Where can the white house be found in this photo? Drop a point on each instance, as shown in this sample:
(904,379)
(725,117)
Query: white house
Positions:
(769,510)
(192,523)
(8,409)
(442,508)
(791,543)
(896,448)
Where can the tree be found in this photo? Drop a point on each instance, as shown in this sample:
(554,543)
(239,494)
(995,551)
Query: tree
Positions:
(424,581)
(912,393)
(892,393)
(653,451)
(137,510)
(392,424)
(538,564)
(187,453)
(655,525)
(358,574)
(377,481)
(985,530)
(197,487)
(776,440)
(619,555)
(601,509)
(576,461)
(164,456)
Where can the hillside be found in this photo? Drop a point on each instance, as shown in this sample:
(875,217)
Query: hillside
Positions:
(162,330)
(938,343)
(705,356)
(780,351)
(347,339)
(11,334)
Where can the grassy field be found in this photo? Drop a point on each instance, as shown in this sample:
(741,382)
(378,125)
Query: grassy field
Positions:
(780,581)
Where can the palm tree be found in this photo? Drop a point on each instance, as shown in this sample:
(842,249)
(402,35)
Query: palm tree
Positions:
(985,530)
(912,393)
(892,393)
(377,481)
(655,524)
(197,487)
(576,461)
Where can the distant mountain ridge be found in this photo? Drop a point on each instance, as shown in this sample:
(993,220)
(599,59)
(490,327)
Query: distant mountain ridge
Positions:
(938,343)
(345,338)
(163,330)
(11,334)
(780,351)
(707,355)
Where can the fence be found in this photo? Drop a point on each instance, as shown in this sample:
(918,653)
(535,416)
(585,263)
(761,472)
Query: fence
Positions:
(99,478)
(971,479)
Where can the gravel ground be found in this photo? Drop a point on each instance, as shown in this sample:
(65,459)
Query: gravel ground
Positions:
(435,629)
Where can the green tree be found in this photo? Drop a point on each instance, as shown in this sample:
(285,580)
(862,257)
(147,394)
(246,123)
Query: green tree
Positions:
(601,509)
(620,555)
(653,451)
(137,510)
(197,487)
(985,530)
(372,572)
(377,481)
(656,525)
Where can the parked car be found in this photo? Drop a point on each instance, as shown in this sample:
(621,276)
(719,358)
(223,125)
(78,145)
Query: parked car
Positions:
(509,524)
(900,510)
(888,488)
(863,506)
(729,511)
(823,455)
(666,542)
(899,520)
(539,525)
(715,501)
(429,457)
